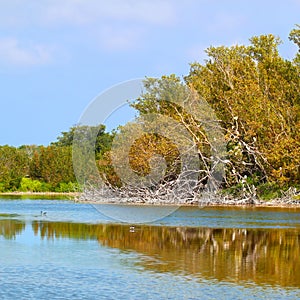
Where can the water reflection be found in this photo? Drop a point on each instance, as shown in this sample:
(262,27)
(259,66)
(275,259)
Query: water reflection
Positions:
(10,228)
(257,255)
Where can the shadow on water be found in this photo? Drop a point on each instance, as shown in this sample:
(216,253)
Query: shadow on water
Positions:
(262,256)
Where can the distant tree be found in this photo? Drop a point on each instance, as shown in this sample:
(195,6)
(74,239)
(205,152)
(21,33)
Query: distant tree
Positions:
(13,167)
(102,143)
(52,164)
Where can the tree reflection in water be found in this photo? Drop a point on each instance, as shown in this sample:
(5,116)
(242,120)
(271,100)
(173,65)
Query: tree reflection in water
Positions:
(263,256)
(10,228)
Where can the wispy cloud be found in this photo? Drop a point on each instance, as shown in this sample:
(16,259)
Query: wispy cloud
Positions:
(115,25)
(90,11)
(117,39)
(225,21)
(85,12)
(12,52)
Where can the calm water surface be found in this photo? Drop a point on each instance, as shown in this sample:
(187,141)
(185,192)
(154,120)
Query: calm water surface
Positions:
(74,252)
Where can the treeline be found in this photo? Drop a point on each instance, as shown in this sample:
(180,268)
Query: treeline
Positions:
(36,169)
(255,95)
(45,168)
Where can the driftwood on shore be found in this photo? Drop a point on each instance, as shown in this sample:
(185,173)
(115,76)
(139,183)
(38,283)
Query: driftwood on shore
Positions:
(165,195)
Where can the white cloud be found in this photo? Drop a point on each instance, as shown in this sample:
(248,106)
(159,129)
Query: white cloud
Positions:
(112,25)
(12,52)
(225,21)
(93,11)
(19,13)
(119,39)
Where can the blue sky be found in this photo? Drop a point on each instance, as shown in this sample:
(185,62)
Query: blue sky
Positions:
(56,56)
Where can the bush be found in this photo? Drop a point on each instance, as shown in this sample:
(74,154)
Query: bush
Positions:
(30,185)
(269,190)
(2,187)
(64,187)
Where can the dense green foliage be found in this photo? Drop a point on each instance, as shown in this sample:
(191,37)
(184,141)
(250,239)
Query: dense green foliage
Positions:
(13,166)
(46,168)
(36,169)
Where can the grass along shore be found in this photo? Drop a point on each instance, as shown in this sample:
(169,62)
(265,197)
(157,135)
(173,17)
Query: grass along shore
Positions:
(17,193)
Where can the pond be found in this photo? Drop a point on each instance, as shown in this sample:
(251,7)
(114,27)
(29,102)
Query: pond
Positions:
(74,251)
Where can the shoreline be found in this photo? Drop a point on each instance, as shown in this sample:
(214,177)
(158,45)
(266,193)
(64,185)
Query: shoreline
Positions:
(69,194)
(279,203)
(263,204)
